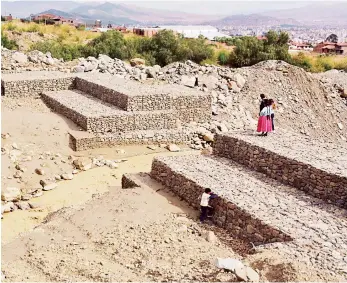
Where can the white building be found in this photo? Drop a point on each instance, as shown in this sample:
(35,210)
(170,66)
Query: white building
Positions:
(209,32)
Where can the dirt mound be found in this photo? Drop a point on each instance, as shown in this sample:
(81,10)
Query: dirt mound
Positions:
(304,104)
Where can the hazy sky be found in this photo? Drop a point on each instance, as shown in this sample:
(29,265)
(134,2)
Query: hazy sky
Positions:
(215,7)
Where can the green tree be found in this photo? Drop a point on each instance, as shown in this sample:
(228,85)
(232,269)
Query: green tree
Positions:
(111,43)
(249,50)
(7,43)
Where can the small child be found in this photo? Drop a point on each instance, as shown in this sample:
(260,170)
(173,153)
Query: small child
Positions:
(204,203)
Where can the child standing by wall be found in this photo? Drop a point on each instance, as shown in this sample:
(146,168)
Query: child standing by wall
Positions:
(204,204)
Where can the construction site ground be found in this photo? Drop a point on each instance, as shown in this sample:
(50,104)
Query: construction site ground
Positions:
(89,229)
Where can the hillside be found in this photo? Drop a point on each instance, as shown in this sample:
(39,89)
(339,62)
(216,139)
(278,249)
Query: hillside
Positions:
(253,20)
(334,13)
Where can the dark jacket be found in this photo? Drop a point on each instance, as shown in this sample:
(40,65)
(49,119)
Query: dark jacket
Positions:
(262,105)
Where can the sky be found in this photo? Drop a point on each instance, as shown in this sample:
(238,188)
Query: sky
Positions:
(215,7)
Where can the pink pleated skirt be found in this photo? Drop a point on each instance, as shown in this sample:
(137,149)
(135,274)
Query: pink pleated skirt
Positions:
(264,124)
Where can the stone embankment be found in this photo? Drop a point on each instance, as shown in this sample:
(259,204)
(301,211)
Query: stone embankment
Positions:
(298,164)
(260,209)
(114,110)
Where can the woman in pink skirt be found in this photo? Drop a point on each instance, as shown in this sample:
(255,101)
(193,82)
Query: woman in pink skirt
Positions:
(264,121)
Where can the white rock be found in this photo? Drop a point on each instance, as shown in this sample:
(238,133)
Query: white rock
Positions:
(83,163)
(209,137)
(10,194)
(20,57)
(252,275)
(211,237)
(7,207)
(67,176)
(15,146)
(173,148)
(240,80)
(228,263)
(49,187)
(113,165)
(340,126)
(241,273)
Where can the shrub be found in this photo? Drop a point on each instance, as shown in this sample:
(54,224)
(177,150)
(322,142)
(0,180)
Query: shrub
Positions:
(11,26)
(250,50)
(59,50)
(223,57)
(7,43)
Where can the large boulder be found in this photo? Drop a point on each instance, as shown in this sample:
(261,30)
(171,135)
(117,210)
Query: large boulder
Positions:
(20,57)
(208,81)
(10,194)
(240,80)
(188,81)
(137,62)
(78,69)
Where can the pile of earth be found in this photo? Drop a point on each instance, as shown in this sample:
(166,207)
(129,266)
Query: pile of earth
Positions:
(307,103)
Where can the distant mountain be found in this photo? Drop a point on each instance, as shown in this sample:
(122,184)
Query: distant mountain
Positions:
(112,11)
(253,20)
(23,9)
(61,13)
(318,13)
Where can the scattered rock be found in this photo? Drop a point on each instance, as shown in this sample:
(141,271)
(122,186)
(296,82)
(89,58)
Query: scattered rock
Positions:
(241,273)
(152,147)
(173,148)
(113,165)
(11,194)
(209,137)
(7,207)
(252,275)
(39,171)
(83,163)
(23,205)
(46,186)
(211,237)
(15,146)
(5,136)
(57,177)
(67,176)
(20,57)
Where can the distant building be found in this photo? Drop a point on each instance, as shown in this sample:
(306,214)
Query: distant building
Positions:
(58,20)
(98,24)
(300,46)
(339,48)
(208,32)
(8,18)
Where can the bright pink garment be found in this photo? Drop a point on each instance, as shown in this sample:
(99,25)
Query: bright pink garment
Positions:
(264,124)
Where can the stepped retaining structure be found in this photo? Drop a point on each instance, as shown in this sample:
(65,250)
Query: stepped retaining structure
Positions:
(114,111)
(34,83)
(283,159)
(259,209)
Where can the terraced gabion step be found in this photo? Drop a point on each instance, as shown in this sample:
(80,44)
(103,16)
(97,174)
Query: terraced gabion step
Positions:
(316,168)
(95,115)
(80,140)
(33,83)
(188,104)
(251,205)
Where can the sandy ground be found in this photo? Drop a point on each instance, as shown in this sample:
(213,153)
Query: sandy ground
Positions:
(89,229)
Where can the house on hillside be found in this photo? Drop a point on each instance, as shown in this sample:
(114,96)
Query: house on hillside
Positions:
(339,48)
(58,20)
(300,46)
